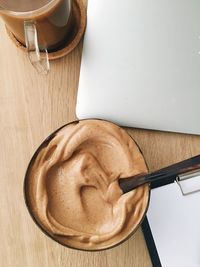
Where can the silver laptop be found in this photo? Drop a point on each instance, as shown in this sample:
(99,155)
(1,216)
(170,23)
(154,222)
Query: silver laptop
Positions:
(141,64)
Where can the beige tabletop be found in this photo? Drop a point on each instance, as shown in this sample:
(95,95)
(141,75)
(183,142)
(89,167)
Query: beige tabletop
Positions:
(31,107)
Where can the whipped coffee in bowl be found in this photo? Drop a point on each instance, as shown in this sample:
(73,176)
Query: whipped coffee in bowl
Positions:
(71,185)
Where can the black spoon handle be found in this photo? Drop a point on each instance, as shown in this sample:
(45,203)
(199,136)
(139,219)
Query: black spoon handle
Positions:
(170,172)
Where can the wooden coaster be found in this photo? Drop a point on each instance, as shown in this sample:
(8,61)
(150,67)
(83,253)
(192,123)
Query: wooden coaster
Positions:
(78,29)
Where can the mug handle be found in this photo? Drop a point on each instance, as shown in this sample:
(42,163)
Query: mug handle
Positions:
(41,64)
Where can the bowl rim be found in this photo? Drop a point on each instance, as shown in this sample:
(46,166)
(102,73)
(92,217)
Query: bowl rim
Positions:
(25,189)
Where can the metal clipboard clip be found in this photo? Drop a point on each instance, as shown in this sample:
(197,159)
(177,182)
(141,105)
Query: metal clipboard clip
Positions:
(189,182)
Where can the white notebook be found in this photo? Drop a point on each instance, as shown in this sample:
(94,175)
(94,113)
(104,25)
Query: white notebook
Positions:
(174,220)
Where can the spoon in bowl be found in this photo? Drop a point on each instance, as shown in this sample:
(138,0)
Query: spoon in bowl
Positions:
(162,176)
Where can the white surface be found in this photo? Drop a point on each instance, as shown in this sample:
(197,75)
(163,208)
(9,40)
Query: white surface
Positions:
(141,64)
(175,223)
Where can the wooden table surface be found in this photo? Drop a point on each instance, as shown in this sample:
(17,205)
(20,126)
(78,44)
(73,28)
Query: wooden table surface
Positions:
(31,107)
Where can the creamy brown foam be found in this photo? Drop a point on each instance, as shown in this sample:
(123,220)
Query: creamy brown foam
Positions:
(72,186)
(23,5)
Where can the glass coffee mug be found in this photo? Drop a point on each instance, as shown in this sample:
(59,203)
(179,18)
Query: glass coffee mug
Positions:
(40,25)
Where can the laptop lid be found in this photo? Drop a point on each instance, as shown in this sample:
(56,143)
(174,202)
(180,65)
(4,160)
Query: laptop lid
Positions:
(141,64)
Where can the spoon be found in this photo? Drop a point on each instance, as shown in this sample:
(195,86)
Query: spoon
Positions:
(162,176)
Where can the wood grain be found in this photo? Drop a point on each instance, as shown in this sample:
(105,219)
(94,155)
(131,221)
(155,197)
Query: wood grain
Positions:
(31,107)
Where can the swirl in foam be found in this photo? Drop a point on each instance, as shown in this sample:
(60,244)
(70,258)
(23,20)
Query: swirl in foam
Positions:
(72,185)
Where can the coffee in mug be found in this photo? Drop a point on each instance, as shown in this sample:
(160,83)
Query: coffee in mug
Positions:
(41,25)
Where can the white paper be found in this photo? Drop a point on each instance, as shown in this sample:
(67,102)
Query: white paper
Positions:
(175,224)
